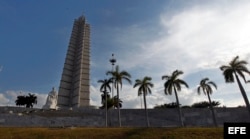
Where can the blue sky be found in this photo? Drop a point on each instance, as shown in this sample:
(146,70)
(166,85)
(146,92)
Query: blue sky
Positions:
(148,37)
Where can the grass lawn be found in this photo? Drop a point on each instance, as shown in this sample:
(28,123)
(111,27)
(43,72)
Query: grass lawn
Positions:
(109,133)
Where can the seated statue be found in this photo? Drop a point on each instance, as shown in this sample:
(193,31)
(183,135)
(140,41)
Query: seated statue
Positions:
(51,101)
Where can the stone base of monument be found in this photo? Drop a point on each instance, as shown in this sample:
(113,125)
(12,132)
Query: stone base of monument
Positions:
(78,108)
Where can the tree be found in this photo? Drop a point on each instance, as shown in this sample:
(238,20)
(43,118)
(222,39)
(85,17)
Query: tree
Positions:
(169,105)
(237,68)
(144,88)
(117,103)
(205,86)
(112,102)
(186,106)
(104,88)
(118,76)
(205,104)
(20,101)
(31,99)
(174,84)
(28,101)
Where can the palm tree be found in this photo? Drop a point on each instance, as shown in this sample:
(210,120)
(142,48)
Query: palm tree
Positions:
(237,68)
(117,103)
(118,76)
(29,100)
(205,86)
(20,101)
(174,84)
(112,102)
(105,85)
(144,88)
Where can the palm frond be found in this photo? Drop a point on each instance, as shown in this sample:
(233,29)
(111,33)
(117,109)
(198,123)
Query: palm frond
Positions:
(235,66)
(165,77)
(205,85)
(183,82)
(199,90)
(144,85)
(212,83)
(228,75)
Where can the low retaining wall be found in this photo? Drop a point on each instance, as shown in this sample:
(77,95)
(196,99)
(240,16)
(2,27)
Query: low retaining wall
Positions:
(83,117)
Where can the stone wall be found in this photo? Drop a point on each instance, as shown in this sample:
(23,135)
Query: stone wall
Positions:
(87,117)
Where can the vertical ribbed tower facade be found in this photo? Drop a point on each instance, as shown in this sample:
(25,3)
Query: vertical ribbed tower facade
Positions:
(74,87)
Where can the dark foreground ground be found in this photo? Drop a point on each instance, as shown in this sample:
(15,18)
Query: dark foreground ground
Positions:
(111,133)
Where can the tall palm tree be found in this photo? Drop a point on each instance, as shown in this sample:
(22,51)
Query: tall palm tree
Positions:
(173,83)
(205,86)
(118,76)
(105,85)
(237,68)
(144,88)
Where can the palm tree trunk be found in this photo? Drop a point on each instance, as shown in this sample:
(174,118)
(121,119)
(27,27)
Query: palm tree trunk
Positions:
(212,109)
(112,89)
(146,110)
(109,117)
(119,114)
(179,108)
(243,93)
(106,107)
(141,101)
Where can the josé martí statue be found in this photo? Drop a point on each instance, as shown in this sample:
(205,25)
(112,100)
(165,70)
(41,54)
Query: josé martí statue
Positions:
(51,101)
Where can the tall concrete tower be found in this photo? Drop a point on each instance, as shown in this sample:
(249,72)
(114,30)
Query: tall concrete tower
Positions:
(74,85)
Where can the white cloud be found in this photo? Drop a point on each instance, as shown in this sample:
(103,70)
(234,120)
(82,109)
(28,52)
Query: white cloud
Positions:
(4,101)
(203,36)
(95,96)
(198,38)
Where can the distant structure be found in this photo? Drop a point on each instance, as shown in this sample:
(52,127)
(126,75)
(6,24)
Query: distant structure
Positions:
(51,102)
(74,85)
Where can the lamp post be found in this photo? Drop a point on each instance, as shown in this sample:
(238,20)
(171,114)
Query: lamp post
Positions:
(112,61)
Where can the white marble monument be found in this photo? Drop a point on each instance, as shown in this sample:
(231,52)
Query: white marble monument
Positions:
(51,102)
(74,89)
